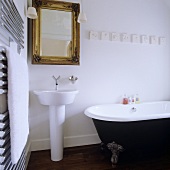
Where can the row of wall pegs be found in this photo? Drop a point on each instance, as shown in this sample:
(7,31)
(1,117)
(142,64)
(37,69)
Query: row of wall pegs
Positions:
(127,38)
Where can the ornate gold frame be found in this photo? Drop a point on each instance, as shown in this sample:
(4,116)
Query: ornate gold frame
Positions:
(74,59)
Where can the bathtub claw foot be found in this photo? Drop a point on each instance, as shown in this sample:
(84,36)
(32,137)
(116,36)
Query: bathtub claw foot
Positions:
(102,146)
(115,149)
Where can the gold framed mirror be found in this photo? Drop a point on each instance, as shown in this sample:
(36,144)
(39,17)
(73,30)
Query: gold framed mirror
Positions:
(56,33)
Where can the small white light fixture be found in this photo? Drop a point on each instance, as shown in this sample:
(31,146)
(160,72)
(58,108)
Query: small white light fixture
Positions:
(82,16)
(31,13)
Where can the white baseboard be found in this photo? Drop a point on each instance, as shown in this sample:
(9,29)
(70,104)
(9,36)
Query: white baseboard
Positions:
(38,145)
(81,140)
(44,144)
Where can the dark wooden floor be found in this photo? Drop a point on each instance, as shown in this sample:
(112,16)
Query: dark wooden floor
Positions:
(91,158)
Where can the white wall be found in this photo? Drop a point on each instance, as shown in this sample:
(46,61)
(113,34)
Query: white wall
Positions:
(108,69)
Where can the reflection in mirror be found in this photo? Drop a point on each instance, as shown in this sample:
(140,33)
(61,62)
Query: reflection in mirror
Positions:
(56,33)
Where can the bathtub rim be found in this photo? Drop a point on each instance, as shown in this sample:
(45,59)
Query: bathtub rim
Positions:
(127,118)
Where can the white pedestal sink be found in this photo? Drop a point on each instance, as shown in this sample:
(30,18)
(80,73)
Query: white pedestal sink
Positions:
(56,100)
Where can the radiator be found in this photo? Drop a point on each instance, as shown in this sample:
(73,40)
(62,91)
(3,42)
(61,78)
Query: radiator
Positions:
(11,24)
(5,158)
(11,29)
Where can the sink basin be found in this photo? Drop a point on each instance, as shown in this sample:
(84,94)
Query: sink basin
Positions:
(56,101)
(55,97)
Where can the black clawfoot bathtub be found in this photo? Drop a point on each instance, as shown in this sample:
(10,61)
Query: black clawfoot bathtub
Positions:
(143,126)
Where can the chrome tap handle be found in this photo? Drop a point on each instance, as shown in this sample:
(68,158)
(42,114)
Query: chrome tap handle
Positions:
(73,79)
(56,78)
(133,109)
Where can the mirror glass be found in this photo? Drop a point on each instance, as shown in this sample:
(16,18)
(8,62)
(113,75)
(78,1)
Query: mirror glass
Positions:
(56,33)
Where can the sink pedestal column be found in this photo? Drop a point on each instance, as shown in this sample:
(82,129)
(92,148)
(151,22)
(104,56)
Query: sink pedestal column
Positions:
(57,119)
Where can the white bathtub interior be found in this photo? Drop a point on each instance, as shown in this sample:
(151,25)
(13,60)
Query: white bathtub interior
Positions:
(120,112)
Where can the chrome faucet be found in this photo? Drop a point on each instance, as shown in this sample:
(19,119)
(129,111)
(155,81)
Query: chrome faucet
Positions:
(56,80)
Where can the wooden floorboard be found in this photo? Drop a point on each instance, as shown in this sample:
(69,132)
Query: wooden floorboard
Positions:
(91,158)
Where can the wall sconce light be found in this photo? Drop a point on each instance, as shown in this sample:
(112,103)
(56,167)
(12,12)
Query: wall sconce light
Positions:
(82,16)
(31,13)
